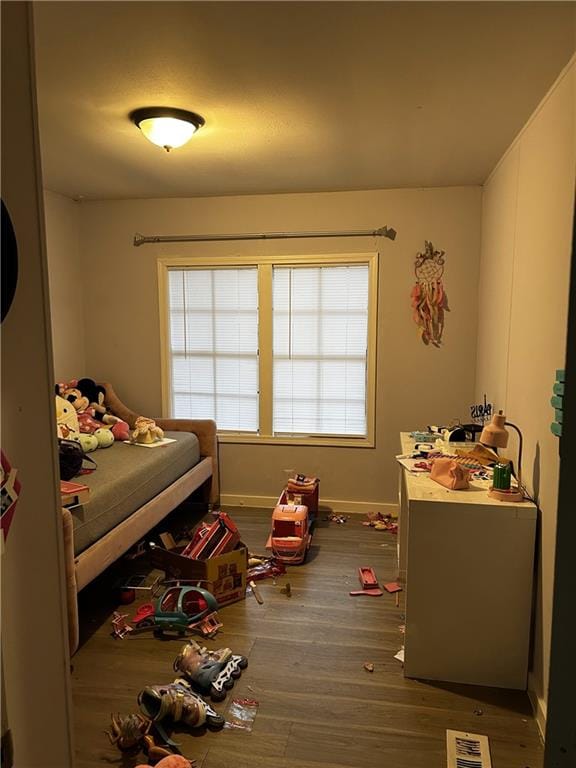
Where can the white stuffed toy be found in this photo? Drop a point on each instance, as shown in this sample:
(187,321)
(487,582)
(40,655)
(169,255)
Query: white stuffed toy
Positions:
(67,426)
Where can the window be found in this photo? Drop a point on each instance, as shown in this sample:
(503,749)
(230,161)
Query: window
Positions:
(214,346)
(320,327)
(274,350)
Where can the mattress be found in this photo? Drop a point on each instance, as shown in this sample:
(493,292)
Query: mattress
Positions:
(126,478)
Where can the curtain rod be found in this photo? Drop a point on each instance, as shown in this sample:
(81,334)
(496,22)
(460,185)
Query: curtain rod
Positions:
(143,239)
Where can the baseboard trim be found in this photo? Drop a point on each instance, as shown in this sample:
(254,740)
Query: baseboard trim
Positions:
(539,709)
(326,505)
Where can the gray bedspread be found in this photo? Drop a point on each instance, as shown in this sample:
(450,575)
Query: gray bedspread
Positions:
(127,477)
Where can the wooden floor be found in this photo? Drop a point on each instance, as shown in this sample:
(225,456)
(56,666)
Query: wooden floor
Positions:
(319,707)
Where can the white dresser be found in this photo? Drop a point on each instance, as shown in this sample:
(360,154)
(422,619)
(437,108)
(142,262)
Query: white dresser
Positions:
(466,561)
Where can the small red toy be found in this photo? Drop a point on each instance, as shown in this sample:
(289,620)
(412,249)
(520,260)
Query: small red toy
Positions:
(369,583)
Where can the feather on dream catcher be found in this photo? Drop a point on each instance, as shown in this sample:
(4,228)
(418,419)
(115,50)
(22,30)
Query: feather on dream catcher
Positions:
(429,300)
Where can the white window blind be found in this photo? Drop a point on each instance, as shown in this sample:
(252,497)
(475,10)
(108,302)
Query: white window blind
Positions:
(213,336)
(320,317)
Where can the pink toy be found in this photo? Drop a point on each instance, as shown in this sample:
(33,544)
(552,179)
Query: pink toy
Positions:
(171,761)
(290,537)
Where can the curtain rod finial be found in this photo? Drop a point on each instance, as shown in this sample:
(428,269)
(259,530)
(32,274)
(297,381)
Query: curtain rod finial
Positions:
(386,232)
(138,239)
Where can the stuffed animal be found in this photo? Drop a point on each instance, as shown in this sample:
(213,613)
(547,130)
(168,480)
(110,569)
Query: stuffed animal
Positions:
(170,761)
(88,425)
(96,395)
(66,419)
(146,431)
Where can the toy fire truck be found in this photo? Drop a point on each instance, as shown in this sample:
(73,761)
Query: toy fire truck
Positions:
(290,536)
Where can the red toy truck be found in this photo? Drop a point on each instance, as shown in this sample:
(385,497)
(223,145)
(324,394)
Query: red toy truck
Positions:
(290,537)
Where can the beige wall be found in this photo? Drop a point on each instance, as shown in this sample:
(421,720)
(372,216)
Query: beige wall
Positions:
(528,205)
(416,385)
(66,277)
(36,662)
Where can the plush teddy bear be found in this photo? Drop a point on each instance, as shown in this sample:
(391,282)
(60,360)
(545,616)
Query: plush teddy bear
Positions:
(96,395)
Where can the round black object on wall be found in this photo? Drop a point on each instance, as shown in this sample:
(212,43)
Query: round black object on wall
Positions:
(9,257)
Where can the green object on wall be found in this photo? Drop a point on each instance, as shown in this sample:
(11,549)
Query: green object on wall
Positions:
(556,429)
(560,375)
(556,402)
(558,388)
(558,414)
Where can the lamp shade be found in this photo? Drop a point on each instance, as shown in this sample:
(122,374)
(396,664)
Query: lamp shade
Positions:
(165,126)
(495,434)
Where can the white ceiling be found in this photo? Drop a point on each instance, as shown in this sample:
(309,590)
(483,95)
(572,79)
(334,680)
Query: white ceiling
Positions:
(297,96)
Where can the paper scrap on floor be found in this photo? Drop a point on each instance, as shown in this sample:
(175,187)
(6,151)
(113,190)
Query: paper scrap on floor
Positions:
(400,655)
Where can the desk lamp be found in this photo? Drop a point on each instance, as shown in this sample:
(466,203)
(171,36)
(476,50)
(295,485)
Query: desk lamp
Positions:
(495,435)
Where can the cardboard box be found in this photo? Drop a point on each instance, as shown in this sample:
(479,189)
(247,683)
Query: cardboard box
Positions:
(223,575)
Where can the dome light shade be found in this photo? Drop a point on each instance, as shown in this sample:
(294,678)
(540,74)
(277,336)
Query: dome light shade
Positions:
(167,127)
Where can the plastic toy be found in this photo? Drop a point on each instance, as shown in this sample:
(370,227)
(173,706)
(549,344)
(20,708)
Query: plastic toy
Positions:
(132,733)
(290,537)
(180,608)
(369,583)
(120,627)
(213,539)
(211,672)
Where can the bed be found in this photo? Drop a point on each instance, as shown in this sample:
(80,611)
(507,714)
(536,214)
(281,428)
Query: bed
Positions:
(130,492)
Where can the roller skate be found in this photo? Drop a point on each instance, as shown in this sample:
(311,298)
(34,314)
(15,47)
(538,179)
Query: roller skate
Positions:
(210,672)
(180,703)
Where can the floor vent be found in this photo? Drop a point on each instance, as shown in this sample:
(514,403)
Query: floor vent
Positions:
(467,750)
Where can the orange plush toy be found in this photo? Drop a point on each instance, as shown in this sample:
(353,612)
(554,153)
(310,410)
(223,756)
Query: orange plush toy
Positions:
(171,761)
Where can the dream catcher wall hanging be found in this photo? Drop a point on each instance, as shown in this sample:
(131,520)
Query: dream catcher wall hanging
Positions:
(429,300)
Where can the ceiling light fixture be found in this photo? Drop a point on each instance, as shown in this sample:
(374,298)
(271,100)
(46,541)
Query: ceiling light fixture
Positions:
(167,127)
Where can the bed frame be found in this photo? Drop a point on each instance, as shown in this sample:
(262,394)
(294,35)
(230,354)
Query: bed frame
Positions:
(83,568)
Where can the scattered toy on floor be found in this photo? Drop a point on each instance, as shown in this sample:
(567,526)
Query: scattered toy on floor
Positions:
(120,627)
(210,672)
(286,590)
(262,568)
(333,518)
(256,592)
(381,522)
(132,733)
(369,667)
(290,536)
(178,702)
(127,732)
(180,608)
(172,761)
(368,582)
